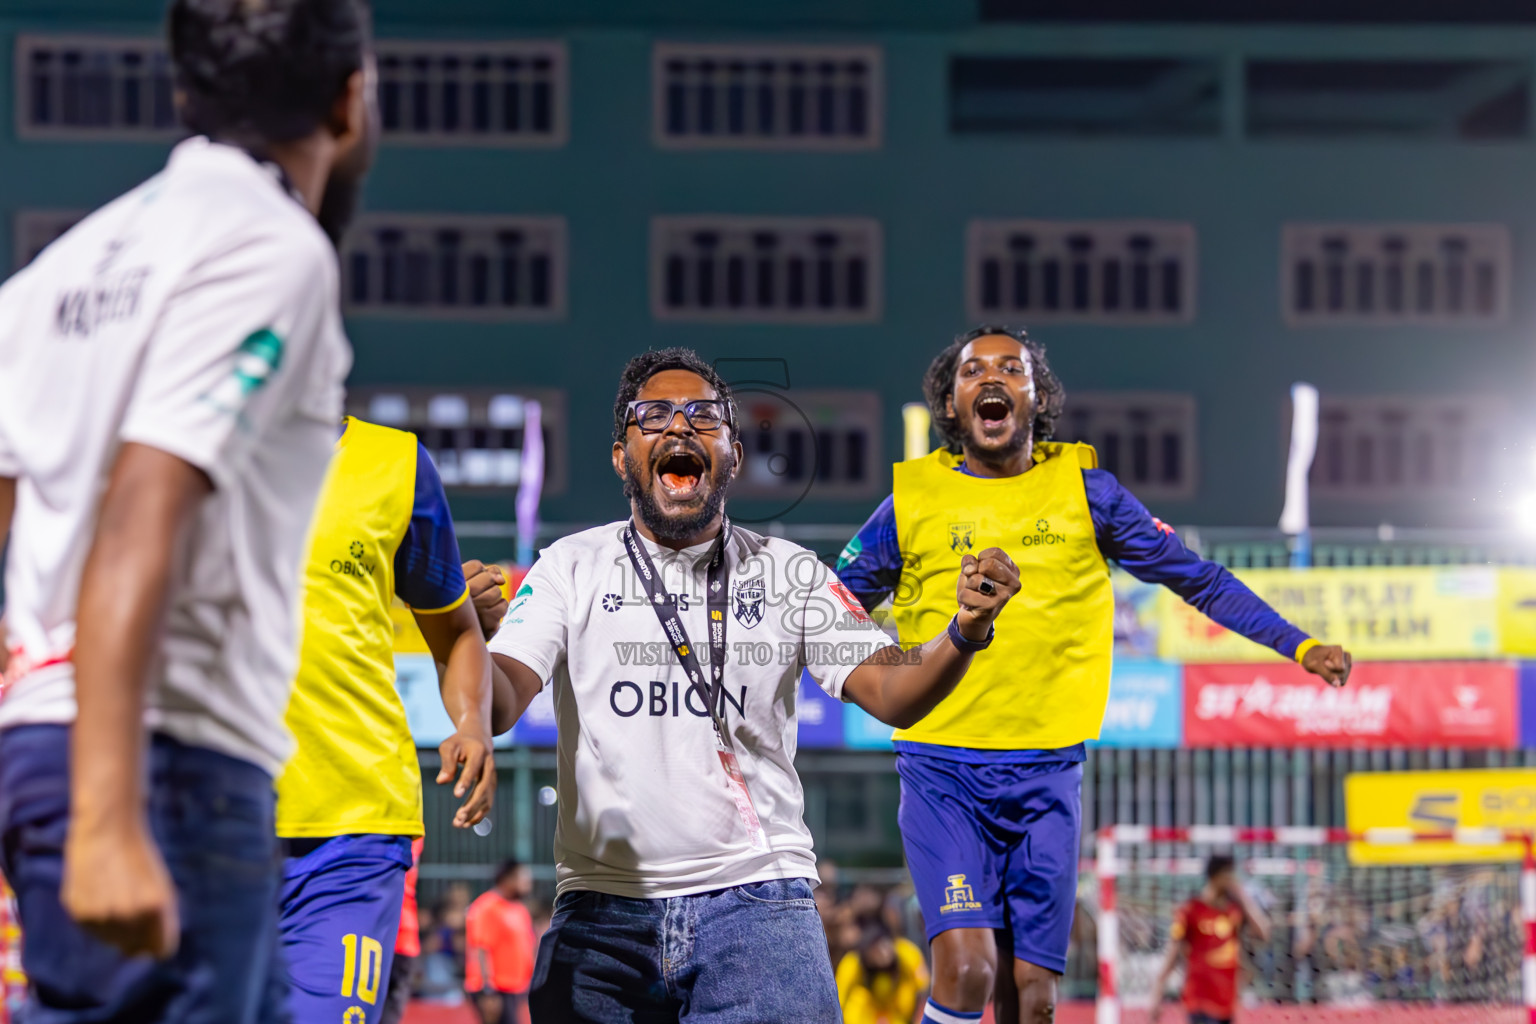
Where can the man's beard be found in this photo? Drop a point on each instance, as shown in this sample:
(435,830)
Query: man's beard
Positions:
(674,527)
(339,206)
(344,187)
(984,447)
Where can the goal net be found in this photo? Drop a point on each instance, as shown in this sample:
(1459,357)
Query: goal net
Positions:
(1379,944)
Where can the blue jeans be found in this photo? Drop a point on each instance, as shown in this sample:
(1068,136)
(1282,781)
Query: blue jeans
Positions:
(752,954)
(212,817)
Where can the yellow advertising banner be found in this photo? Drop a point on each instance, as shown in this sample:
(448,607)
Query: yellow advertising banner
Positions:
(1517,611)
(1381,614)
(1429,802)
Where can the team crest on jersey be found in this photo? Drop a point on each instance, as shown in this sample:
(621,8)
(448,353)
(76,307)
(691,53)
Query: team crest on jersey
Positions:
(958,896)
(747,601)
(960,537)
(612,602)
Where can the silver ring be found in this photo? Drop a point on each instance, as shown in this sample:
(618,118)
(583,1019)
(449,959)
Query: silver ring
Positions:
(987,587)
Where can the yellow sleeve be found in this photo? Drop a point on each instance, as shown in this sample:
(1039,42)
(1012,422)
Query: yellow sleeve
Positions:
(848,971)
(445,609)
(1305,646)
(913,962)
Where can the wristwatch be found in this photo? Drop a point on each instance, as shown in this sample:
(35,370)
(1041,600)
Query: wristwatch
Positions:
(968,646)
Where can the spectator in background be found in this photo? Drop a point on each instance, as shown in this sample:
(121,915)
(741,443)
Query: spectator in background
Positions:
(451,911)
(438,980)
(499,947)
(884,981)
(543,913)
(844,919)
(830,909)
(403,971)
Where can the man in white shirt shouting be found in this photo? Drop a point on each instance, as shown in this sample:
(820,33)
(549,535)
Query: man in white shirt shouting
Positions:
(170,385)
(675,643)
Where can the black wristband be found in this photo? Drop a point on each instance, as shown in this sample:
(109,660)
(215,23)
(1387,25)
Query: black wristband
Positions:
(965,646)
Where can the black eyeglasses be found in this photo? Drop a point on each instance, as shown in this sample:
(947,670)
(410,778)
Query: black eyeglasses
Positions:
(653,415)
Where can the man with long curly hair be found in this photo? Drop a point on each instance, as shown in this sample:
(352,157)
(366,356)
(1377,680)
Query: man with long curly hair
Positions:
(991,779)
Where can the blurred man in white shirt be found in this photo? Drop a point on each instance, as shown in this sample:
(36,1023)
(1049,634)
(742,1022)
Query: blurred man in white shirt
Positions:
(171,378)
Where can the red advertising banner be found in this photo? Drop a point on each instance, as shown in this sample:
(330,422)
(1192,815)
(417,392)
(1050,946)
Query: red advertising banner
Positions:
(1386,704)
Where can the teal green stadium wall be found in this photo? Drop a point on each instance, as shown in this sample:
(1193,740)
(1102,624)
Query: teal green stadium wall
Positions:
(1237,357)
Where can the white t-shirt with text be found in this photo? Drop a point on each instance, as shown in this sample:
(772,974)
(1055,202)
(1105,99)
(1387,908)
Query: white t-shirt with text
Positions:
(645,810)
(197,314)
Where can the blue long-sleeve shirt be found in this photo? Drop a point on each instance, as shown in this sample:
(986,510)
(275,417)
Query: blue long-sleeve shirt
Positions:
(1127,534)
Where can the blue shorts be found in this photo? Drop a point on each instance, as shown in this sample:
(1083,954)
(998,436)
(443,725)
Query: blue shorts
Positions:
(340,915)
(995,846)
(212,817)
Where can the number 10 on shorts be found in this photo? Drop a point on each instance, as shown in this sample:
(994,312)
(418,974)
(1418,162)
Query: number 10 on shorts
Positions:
(373,965)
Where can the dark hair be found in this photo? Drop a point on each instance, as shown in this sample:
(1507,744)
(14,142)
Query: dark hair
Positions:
(939,384)
(873,930)
(1219,863)
(506,869)
(263,71)
(647,365)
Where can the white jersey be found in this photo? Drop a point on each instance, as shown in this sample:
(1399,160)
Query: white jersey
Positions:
(197,314)
(645,809)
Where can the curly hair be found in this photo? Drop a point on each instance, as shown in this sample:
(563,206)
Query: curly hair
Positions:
(264,71)
(939,385)
(647,365)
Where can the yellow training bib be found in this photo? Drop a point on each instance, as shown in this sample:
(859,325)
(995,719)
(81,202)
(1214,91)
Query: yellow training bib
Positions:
(355,770)
(1044,682)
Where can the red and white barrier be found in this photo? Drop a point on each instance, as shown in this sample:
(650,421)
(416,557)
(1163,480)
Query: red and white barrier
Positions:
(1110,838)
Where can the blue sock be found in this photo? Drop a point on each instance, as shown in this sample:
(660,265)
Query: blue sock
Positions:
(933,1013)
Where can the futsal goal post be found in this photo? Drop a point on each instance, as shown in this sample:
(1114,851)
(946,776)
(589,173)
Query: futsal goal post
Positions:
(1351,939)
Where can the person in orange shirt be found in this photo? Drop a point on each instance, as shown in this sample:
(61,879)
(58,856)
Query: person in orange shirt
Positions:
(499,947)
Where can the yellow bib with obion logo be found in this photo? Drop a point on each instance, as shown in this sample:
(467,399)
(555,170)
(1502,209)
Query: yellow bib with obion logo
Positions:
(1044,681)
(355,770)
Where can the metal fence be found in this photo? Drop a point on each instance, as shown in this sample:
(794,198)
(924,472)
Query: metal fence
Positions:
(1235,547)
(1383,546)
(852,796)
(851,799)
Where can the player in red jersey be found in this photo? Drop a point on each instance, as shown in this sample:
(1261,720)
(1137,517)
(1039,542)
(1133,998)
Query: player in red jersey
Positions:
(1206,930)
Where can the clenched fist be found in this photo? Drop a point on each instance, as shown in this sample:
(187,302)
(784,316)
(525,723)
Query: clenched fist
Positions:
(1332,663)
(485,583)
(116,886)
(987,582)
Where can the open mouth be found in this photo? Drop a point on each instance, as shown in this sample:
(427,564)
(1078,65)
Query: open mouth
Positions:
(994,410)
(680,473)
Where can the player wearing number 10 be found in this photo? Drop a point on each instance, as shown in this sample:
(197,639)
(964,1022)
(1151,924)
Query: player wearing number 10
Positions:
(349,802)
(991,780)
(683,860)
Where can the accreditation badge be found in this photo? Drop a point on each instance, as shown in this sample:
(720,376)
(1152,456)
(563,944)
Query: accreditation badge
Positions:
(738,784)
